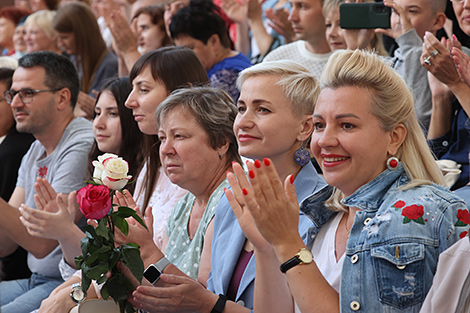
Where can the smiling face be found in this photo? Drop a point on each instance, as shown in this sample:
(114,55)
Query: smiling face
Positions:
(185,152)
(348,141)
(150,35)
(19,38)
(420,13)
(146,95)
(265,125)
(37,40)
(107,124)
(334,33)
(462,12)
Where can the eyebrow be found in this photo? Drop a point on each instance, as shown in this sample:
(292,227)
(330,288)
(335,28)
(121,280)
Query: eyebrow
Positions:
(339,116)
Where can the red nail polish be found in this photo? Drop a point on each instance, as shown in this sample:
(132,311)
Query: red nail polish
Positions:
(225,189)
(251,174)
(266,162)
(245,192)
(292,179)
(257,164)
(233,162)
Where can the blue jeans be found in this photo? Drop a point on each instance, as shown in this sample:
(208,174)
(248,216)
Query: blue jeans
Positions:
(26,295)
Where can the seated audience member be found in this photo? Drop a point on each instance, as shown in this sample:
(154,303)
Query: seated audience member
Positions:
(22,4)
(13,145)
(64,2)
(339,38)
(9,17)
(150,34)
(154,76)
(42,96)
(80,37)
(289,91)
(311,49)
(115,132)
(40,35)
(448,135)
(409,22)
(200,28)
(37,5)
(385,210)
(19,43)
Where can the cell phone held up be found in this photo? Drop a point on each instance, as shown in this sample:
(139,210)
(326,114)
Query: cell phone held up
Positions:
(364,15)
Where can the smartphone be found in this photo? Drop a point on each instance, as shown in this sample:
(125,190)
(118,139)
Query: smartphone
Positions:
(364,15)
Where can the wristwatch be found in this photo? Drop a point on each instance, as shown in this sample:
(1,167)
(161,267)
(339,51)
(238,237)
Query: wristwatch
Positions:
(77,294)
(153,272)
(304,256)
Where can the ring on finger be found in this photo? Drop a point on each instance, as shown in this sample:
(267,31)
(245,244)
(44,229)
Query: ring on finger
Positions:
(427,60)
(434,53)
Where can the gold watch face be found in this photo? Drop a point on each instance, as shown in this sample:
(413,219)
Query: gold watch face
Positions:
(305,256)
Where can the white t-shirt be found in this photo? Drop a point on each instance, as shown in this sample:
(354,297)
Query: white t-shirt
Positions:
(323,250)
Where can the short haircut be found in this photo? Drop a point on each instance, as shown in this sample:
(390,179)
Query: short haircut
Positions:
(60,71)
(43,19)
(175,67)
(200,20)
(438,6)
(300,87)
(212,108)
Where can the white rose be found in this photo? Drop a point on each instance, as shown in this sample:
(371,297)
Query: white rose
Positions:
(99,167)
(114,173)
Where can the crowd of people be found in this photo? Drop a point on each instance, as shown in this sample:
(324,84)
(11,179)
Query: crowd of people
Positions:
(280,162)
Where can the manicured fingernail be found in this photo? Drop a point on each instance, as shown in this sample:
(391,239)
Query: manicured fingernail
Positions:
(245,192)
(291,179)
(225,189)
(251,173)
(266,162)
(233,162)
(257,164)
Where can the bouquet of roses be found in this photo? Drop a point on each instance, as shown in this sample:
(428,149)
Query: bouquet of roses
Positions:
(99,252)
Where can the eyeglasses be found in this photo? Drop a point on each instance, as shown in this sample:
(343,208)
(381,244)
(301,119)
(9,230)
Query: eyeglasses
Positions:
(26,95)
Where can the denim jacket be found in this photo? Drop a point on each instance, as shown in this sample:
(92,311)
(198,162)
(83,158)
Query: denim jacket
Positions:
(394,243)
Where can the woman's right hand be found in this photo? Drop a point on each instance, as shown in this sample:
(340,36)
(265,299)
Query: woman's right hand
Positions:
(274,208)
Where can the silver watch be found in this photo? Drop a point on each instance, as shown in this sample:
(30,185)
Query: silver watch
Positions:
(77,294)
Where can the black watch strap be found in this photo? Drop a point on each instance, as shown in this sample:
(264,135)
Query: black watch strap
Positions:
(287,265)
(220,304)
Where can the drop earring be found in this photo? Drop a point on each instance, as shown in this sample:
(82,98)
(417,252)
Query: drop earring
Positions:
(392,163)
(301,156)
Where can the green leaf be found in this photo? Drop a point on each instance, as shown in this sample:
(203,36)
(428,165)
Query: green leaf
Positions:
(419,220)
(78,261)
(104,291)
(131,258)
(84,244)
(460,223)
(114,258)
(95,272)
(406,220)
(102,230)
(102,279)
(129,307)
(102,254)
(116,290)
(121,223)
(126,212)
(86,282)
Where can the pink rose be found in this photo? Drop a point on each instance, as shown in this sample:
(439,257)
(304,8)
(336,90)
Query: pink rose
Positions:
(94,201)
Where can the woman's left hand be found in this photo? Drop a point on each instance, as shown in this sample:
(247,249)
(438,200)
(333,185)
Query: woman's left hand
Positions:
(274,208)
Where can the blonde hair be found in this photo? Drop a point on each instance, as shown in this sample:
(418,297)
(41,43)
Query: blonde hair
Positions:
(392,104)
(300,87)
(376,44)
(43,19)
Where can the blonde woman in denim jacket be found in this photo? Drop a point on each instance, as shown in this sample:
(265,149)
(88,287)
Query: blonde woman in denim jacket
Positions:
(385,216)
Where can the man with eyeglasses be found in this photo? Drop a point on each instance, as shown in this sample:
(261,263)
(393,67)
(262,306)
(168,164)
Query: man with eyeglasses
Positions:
(42,97)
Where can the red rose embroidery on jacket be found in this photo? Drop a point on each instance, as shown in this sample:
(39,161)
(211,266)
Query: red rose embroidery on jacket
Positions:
(463,217)
(463,234)
(399,204)
(413,213)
